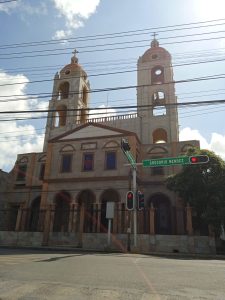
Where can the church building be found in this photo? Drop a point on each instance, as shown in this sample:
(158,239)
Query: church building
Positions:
(59,197)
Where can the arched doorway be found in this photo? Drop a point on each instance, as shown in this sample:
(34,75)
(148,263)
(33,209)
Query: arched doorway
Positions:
(62,210)
(34,214)
(87,221)
(162,206)
(107,196)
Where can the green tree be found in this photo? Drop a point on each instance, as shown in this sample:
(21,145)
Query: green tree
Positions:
(203,187)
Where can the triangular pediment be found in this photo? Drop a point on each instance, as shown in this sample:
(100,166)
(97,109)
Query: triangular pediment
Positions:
(91,131)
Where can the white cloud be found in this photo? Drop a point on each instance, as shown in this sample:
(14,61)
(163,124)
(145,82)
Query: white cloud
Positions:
(102,112)
(40,9)
(60,34)
(24,7)
(16,137)
(9,7)
(75,12)
(216,143)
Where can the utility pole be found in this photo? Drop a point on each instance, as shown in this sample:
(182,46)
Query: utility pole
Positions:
(126,150)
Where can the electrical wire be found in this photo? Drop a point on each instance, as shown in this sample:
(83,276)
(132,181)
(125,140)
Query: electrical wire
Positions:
(119,34)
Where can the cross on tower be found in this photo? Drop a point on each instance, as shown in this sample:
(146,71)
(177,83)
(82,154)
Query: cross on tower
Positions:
(75,52)
(154,35)
(74,59)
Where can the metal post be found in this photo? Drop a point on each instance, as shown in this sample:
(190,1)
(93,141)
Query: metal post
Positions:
(135,205)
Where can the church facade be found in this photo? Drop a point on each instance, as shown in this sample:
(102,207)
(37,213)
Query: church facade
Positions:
(60,195)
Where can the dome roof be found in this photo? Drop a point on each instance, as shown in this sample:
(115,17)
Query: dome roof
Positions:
(155,51)
(72,67)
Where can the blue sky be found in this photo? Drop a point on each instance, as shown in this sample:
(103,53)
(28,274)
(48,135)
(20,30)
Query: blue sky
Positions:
(25,21)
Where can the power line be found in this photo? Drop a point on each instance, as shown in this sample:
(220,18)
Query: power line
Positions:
(110,35)
(111,49)
(109,44)
(175,104)
(106,62)
(120,72)
(8,1)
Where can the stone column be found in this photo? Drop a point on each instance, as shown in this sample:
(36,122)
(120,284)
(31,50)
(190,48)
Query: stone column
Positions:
(19,218)
(99,217)
(94,218)
(24,217)
(30,171)
(44,194)
(152,219)
(74,227)
(81,225)
(52,216)
(46,226)
(189,227)
(71,213)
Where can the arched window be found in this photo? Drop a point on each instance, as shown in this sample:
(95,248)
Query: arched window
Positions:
(159,136)
(157,75)
(60,116)
(159,110)
(158,96)
(64,90)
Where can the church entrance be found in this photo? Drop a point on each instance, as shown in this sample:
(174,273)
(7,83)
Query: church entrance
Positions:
(87,221)
(162,206)
(62,210)
(34,214)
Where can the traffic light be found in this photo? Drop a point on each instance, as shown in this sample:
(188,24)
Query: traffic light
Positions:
(198,159)
(125,145)
(130,200)
(141,200)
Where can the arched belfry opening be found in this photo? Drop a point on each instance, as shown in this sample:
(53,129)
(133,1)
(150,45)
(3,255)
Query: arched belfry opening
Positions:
(109,195)
(87,220)
(64,89)
(159,136)
(162,206)
(157,75)
(60,116)
(62,209)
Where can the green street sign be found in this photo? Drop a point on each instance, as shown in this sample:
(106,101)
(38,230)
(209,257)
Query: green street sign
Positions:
(168,161)
(130,158)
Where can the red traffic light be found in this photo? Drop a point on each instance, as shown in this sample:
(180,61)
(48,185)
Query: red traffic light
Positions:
(130,200)
(129,195)
(198,159)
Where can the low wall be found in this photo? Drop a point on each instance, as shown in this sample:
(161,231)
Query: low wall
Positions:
(21,239)
(98,241)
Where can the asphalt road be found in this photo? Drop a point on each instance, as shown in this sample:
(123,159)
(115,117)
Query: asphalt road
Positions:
(28,274)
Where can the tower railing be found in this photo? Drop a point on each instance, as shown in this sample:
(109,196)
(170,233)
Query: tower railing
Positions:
(109,118)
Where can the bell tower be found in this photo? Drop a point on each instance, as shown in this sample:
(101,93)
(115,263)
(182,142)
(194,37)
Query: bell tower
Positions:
(70,100)
(156,97)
